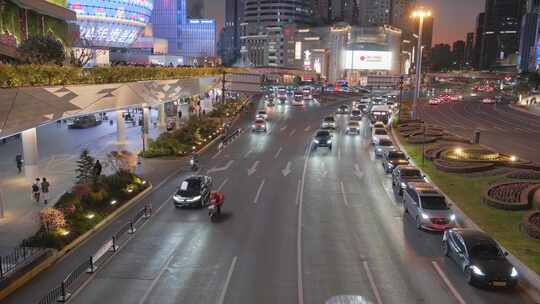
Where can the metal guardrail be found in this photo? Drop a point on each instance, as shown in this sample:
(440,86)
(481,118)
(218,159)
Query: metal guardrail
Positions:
(19,256)
(72,282)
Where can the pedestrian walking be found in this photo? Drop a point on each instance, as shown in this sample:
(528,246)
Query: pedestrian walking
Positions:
(45,190)
(97,168)
(35,190)
(19,162)
(179,114)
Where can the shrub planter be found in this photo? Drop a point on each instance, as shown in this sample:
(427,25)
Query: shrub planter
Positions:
(531,224)
(421,139)
(524,174)
(461,167)
(514,195)
(435,151)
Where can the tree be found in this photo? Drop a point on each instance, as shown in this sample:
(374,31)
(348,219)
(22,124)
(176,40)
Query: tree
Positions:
(52,219)
(84,51)
(85,168)
(297,80)
(42,50)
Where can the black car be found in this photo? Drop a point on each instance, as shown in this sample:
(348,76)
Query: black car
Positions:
(403,175)
(193,192)
(481,259)
(356,115)
(343,109)
(392,159)
(322,138)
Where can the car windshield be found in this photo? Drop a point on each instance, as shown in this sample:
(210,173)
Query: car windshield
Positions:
(259,121)
(434,203)
(343,107)
(323,134)
(385,143)
(355,113)
(353,124)
(329,119)
(262,113)
(190,188)
(411,173)
(380,132)
(486,251)
(396,155)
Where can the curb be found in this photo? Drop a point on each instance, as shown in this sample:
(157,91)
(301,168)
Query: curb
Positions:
(24,279)
(529,278)
(520,109)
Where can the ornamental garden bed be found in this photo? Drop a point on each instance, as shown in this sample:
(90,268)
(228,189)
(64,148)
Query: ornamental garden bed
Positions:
(461,166)
(524,174)
(531,224)
(514,195)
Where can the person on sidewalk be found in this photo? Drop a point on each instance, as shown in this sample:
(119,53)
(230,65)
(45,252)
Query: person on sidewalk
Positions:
(19,162)
(97,168)
(35,190)
(45,190)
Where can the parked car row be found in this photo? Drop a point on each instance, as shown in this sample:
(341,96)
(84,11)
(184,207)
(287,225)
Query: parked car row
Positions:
(478,256)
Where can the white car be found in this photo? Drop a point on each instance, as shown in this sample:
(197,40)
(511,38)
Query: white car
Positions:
(377,134)
(262,115)
(329,122)
(378,124)
(353,127)
(384,144)
(259,125)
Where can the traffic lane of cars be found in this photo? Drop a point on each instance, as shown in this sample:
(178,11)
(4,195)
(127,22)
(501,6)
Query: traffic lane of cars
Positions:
(478,295)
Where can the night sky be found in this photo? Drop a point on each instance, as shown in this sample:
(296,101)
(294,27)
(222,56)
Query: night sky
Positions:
(453,18)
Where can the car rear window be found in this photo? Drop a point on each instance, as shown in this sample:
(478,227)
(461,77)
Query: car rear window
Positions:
(411,173)
(385,143)
(353,124)
(380,132)
(396,155)
(329,119)
(356,112)
(323,133)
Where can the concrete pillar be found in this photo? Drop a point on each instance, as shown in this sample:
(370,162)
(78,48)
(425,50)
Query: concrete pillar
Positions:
(146,126)
(120,128)
(162,122)
(30,154)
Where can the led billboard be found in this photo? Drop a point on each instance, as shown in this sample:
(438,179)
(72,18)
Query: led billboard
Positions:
(368,60)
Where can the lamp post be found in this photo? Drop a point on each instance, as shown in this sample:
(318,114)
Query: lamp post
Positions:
(420,13)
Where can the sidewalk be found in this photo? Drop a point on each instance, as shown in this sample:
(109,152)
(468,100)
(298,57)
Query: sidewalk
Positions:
(59,149)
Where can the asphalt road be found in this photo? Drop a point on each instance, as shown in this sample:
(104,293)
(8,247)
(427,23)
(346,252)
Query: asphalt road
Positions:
(502,128)
(299,226)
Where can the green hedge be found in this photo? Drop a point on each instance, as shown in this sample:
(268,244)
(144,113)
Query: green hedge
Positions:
(12,76)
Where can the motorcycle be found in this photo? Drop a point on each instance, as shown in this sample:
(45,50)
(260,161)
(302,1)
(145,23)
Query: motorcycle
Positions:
(213,212)
(194,165)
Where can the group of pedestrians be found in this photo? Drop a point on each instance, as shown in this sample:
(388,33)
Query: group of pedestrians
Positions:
(40,189)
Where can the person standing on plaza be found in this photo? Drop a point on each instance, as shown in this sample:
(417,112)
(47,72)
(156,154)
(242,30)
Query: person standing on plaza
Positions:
(35,190)
(97,168)
(45,190)
(19,162)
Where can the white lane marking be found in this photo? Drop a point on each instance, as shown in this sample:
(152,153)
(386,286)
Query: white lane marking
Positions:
(339,153)
(307,129)
(372,283)
(358,172)
(283,128)
(343,194)
(287,169)
(299,230)
(292,132)
(156,279)
(258,192)
(298,192)
(248,153)
(453,290)
(253,168)
(227,281)
(223,184)
(277,153)
(217,154)
(218,169)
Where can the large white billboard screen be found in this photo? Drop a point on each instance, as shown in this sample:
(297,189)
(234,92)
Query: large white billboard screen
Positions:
(368,60)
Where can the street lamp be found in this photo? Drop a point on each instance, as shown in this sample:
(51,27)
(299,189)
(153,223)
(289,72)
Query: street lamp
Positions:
(419,13)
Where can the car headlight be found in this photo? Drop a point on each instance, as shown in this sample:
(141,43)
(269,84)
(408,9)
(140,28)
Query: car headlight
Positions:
(452,217)
(514,272)
(403,185)
(379,149)
(196,198)
(390,165)
(253,126)
(424,216)
(329,141)
(477,270)
(316,141)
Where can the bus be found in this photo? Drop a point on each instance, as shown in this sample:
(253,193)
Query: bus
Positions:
(380,113)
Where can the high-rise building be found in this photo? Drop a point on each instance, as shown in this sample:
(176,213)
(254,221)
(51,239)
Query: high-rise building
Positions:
(529,49)
(262,37)
(400,14)
(190,38)
(478,41)
(502,26)
(229,42)
(458,54)
(376,12)
(469,49)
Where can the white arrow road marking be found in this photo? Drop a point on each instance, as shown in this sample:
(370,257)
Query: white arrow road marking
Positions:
(339,153)
(453,290)
(287,169)
(277,153)
(343,194)
(217,154)
(372,283)
(253,168)
(218,169)
(248,153)
(307,128)
(358,172)
(258,192)
(283,128)
(324,171)
(223,184)
(227,281)
(292,132)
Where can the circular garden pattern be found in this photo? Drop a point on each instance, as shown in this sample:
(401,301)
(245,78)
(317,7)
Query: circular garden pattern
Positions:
(531,224)
(514,195)
(524,174)
(461,166)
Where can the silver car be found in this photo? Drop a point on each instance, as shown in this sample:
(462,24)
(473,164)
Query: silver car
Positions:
(428,207)
(384,144)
